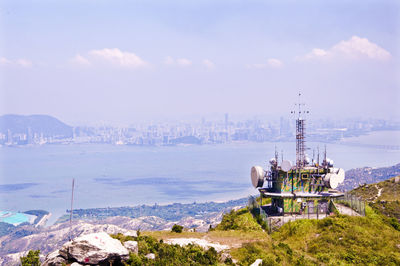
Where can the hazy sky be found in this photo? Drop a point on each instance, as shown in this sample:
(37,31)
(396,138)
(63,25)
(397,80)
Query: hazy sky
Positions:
(123,61)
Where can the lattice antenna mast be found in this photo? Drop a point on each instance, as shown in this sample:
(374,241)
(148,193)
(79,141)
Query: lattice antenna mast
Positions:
(300,134)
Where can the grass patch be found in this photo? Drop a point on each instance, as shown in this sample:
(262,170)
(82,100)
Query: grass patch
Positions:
(241,220)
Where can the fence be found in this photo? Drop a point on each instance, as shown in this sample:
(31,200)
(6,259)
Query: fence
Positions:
(274,222)
(353,202)
(257,211)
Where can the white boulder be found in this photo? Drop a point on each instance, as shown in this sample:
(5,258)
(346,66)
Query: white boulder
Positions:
(94,249)
(132,246)
(257,262)
(151,256)
(53,259)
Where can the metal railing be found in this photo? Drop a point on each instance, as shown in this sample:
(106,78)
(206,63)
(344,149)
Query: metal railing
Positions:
(353,202)
(255,208)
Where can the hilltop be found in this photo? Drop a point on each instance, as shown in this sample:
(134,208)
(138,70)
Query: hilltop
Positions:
(30,125)
(240,239)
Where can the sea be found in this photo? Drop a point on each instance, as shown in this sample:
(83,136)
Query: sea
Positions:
(40,177)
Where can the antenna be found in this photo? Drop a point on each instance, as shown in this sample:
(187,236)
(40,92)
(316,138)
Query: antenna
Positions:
(313,156)
(300,134)
(70,215)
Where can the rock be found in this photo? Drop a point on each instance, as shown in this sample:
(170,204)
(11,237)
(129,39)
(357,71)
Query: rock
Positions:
(132,246)
(224,256)
(257,262)
(151,256)
(54,259)
(76,264)
(94,249)
(196,241)
(397,179)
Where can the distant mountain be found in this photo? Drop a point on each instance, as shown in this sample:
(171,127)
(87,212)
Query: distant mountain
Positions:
(368,175)
(45,125)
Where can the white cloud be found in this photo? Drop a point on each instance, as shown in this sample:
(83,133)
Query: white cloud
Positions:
(271,63)
(183,62)
(354,48)
(275,63)
(4,61)
(80,60)
(208,63)
(169,60)
(18,62)
(119,58)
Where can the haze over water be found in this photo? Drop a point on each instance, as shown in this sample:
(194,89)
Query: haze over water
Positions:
(40,177)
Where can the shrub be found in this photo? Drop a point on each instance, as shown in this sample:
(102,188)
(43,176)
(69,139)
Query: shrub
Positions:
(171,254)
(31,259)
(238,220)
(177,228)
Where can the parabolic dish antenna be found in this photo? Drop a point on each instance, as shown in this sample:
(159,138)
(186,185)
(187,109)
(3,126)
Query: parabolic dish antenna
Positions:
(286,165)
(341,175)
(257,176)
(332,180)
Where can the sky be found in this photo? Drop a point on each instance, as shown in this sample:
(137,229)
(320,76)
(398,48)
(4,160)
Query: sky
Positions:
(118,61)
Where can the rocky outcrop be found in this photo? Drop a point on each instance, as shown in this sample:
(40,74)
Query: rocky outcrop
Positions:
(54,259)
(53,237)
(132,246)
(92,249)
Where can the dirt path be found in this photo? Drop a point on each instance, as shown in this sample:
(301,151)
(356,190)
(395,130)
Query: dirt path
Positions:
(379,193)
(346,210)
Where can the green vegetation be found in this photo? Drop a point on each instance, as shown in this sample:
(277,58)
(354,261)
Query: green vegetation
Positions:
(241,220)
(177,228)
(31,259)
(332,241)
(387,203)
(166,254)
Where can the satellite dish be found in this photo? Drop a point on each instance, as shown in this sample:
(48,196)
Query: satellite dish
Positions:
(286,166)
(257,176)
(341,175)
(332,180)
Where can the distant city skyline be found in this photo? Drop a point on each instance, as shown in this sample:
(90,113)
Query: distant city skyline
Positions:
(120,62)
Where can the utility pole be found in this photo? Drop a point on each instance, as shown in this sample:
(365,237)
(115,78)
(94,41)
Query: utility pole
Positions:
(70,215)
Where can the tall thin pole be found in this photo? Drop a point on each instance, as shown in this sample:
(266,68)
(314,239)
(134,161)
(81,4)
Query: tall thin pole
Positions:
(70,215)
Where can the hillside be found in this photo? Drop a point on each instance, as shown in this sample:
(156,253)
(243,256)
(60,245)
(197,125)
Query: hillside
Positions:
(335,240)
(367,175)
(384,196)
(34,124)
